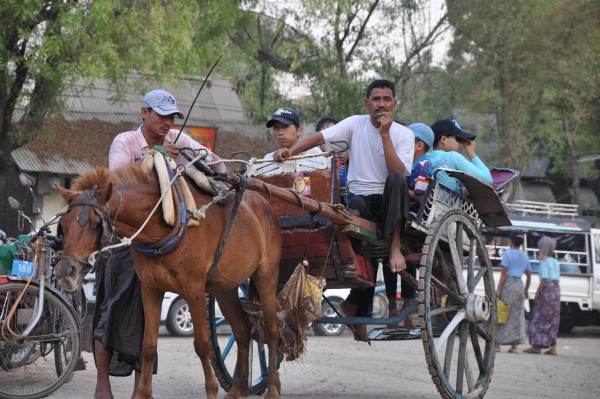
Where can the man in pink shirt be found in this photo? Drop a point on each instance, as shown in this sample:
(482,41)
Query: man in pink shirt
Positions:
(118,325)
(159,109)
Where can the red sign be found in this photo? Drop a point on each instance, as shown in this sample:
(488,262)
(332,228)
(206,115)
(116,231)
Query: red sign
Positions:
(203,135)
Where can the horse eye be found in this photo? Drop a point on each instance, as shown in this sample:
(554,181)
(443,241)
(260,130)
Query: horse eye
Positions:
(96,225)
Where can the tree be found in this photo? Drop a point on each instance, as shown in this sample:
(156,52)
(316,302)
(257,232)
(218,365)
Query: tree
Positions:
(48,44)
(336,47)
(495,52)
(572,95)
(533,64)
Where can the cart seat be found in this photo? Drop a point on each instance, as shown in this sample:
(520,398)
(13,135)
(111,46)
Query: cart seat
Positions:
(485,199)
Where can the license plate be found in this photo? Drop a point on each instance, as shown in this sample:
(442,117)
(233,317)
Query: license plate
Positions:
(22,268)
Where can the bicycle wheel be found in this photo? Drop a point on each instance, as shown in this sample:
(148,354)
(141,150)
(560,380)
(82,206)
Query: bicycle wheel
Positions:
(36,365)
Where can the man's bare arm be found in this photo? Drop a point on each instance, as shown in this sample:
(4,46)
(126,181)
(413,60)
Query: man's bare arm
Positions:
(311,141)
(392,161)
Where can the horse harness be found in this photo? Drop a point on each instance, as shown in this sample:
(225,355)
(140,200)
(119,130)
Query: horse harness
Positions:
(169,243)
(89,201)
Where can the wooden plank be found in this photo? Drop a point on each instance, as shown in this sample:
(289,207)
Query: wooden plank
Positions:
(338,216)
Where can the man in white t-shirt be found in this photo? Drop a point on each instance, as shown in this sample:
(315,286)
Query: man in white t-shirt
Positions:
(381,156)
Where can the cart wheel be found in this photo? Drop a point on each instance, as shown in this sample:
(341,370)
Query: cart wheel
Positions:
(457,307)
(224,351)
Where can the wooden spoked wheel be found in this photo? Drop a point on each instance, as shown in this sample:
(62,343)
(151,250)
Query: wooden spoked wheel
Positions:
(457,307)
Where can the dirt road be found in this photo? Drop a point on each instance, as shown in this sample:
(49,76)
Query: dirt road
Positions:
(338,367)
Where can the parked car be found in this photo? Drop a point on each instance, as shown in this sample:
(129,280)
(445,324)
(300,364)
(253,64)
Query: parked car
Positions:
(175,315)
(175,312)
(336,296)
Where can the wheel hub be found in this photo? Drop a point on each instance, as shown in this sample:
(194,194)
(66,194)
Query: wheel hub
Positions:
(477,308)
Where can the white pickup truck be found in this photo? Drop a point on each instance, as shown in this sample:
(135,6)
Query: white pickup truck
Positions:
(577,250)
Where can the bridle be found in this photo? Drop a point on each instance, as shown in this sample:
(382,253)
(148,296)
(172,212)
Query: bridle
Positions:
(89,202)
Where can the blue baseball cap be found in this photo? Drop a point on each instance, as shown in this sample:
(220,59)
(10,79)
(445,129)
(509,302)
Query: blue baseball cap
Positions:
(423,133)
(162,102)
(284,115)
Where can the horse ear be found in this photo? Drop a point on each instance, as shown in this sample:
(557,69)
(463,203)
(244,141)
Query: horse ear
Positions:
(108,193)
(63,191)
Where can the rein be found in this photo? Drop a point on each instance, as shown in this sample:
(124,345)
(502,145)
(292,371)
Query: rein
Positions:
(239,193)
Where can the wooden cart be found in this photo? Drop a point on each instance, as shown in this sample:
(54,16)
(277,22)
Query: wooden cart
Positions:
(456,290)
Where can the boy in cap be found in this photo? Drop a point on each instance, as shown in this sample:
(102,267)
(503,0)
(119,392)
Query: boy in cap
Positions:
(449,139)
(418,181)
(118,324)
(287,128)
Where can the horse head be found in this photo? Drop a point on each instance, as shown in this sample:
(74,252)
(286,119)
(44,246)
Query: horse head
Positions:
(86,226)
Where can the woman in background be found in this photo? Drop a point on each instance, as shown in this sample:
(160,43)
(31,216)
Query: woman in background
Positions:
(543,327)
(510,290)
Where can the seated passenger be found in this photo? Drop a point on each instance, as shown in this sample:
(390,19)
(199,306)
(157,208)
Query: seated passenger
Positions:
(449,140)
(417,185)
(381,152)
(418,181)
(287,129)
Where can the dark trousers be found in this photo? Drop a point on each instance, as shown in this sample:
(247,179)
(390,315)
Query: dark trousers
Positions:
(391,282)
(385,210)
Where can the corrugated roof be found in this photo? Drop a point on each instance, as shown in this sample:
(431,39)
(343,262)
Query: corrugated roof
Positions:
(28,161)
(93,116)
(217,106)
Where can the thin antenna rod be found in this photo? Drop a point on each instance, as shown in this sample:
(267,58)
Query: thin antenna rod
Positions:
(198,94)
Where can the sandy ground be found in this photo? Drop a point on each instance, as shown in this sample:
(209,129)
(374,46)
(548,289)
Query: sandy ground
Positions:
(339,367)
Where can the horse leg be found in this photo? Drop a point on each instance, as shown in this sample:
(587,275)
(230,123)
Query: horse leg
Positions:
(231,307)
(196,300)
(152,300)
(266,284)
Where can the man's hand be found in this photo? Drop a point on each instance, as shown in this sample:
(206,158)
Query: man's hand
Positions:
(171,149)
(385,120)
(469,146)
(397,262)
(281,154)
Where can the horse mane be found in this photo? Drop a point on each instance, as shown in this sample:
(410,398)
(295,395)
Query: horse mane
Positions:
(102,178)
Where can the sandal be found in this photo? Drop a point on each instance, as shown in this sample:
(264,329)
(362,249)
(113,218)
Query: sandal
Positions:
(548,352)
(532,350)
(511,351)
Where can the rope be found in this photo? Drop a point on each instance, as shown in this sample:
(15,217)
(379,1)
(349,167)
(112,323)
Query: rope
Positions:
(238,199)
(328,253)
(126,241)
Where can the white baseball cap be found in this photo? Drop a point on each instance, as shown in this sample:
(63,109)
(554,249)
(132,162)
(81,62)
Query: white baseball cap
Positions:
(162,102)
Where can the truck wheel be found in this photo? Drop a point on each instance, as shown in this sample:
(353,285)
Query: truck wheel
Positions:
(566,325)
(568,314)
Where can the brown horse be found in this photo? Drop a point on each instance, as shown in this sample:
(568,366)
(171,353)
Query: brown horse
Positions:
(125,197)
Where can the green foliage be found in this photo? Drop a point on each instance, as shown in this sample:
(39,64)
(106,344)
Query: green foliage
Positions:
(335,48)
(48,45)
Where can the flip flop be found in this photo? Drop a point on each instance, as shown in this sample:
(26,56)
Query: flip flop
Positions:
(550,353)
(511,351)
(531,350)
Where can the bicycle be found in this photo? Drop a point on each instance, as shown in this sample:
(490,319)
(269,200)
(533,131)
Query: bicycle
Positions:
(40,326)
